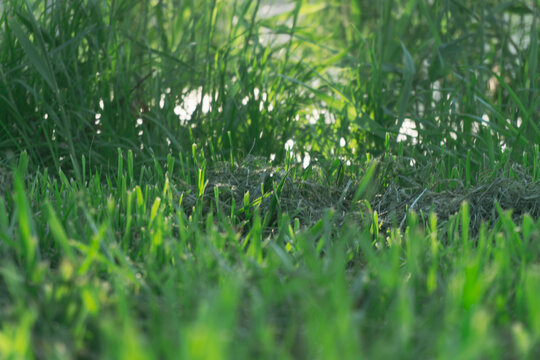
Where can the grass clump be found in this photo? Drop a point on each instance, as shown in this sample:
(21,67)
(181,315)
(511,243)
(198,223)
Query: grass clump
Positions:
(250,179)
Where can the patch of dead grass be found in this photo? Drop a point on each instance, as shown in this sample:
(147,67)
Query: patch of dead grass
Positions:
(308,200)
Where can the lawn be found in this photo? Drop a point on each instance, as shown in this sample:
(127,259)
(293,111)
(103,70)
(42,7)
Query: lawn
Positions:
(248,179)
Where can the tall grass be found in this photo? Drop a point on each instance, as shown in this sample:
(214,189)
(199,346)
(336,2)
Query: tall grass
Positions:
(77,77)
(115,115)
(465,74)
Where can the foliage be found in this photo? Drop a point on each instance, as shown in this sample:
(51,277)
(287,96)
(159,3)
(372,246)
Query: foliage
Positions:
(239,179)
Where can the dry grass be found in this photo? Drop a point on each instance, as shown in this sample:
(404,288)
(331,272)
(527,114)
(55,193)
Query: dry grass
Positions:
(520,194)
(305,200)
(308,200)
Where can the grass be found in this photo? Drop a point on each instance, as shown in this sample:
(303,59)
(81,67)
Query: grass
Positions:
(149,207)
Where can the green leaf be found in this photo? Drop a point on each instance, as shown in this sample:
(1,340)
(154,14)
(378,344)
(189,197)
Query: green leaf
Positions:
(33,54)
(444,59)
(58,231)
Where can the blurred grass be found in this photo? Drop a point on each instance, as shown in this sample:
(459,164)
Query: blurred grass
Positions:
(465,74)
(112,270)
(115,114)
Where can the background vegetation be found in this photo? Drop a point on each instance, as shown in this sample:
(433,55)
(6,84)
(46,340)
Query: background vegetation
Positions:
(232,179)
(464,72)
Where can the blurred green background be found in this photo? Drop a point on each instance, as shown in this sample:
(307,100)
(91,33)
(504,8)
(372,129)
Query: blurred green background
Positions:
(339,78)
